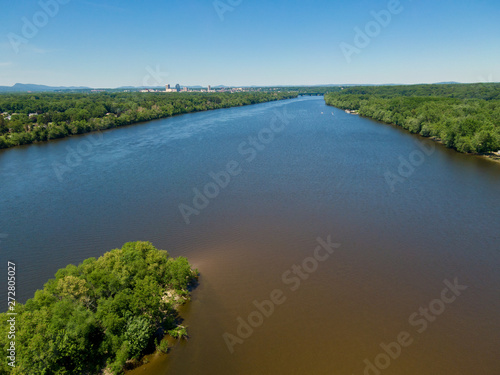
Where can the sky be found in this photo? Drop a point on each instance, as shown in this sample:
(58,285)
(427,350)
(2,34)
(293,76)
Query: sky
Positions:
(113,43)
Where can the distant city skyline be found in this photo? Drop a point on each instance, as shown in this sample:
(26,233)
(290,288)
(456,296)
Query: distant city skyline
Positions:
(238,43)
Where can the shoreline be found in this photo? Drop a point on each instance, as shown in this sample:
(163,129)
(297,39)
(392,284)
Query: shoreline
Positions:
(492,156)
(495,157)
(95,129)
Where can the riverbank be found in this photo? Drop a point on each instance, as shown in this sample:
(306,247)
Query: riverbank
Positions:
(30,118)
(462,117)
(492,156)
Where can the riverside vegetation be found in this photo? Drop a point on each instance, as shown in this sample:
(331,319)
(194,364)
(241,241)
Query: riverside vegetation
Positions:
(465,117)
(101,313)
(36,117)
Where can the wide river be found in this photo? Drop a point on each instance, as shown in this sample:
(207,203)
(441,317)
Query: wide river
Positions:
(406,281)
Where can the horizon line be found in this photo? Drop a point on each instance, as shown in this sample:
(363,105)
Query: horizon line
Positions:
(247,86)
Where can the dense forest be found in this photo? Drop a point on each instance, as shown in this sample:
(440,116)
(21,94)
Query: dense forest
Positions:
(37,117)
(101,313)
(465,117)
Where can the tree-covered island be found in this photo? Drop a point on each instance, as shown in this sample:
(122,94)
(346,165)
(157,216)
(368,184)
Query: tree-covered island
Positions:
(101,313)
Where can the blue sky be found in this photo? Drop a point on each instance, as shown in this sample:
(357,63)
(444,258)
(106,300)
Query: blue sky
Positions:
(113,43)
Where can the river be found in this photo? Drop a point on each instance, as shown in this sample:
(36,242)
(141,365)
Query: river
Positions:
(346,246)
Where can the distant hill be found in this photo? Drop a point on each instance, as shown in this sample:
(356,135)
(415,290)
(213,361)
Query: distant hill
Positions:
(23,87)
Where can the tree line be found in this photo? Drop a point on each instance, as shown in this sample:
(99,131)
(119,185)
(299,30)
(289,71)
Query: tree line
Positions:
(101,313)
(318,90)
(465,117)
(37,117)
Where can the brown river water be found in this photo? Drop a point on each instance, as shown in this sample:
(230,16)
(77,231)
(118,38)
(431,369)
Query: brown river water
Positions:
(333,244)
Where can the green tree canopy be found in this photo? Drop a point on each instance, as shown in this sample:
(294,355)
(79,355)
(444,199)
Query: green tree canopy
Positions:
(465,117)
(99,313)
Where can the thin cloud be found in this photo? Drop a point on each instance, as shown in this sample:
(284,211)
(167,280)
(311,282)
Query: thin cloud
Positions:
(105,6)
(6,48)
(7,63)
(40,50)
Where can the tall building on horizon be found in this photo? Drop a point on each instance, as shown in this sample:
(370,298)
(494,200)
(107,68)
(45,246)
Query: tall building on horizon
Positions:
(169,89)
(209,88)
(178,87)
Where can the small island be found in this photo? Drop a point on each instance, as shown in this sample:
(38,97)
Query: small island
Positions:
(102,314)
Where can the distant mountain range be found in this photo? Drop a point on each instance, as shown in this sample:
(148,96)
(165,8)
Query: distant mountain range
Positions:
(22,87)
(25,87)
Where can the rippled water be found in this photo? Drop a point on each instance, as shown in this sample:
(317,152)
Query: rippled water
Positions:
(319,174)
